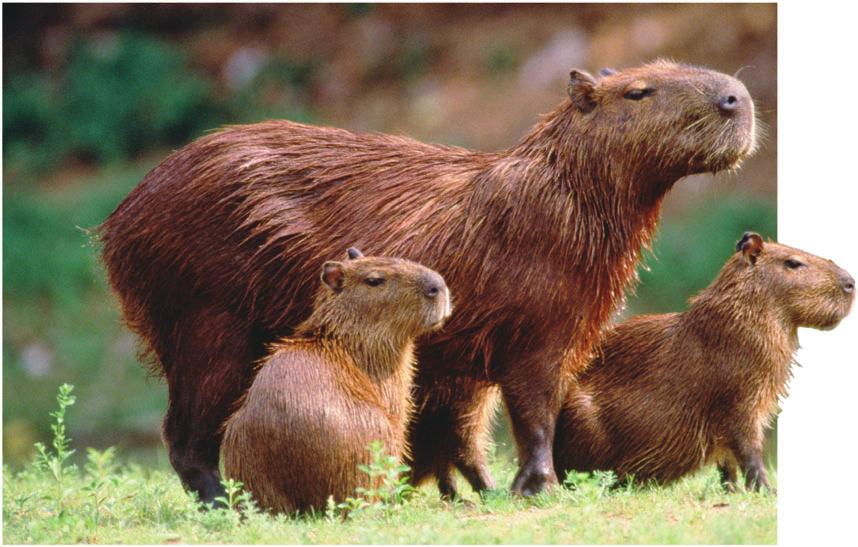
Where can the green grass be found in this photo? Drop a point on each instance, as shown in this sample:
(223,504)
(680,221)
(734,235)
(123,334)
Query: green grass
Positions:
(139,505)
(53,501)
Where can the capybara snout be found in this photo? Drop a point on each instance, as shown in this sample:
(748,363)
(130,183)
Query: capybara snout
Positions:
(732,99)
(847,282)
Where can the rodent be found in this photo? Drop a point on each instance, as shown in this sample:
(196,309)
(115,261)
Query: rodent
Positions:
(668,394)
(341,382)
(212,254)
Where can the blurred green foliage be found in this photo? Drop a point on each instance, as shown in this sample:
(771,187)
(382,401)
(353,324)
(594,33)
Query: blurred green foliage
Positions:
(279,90)
(690,250)
(123,94)
(116,97)
(60,320)
(127,93)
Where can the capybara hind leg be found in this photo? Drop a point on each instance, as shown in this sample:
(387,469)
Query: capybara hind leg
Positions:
(533,412)
(210,367)
(476,472)
(474,432)
(447,484)
(729,475)
(432,441)
(751,462)
(451,428)
(747,448)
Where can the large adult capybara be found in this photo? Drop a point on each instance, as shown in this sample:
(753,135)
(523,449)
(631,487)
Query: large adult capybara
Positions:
(212,253)
(668,394)
(343,381)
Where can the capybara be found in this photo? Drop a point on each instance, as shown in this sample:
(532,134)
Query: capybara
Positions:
(668,394)
(212,253)
(342,381)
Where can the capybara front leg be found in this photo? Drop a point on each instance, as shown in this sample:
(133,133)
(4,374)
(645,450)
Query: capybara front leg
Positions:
(533,414)
(447,484)
(450,428)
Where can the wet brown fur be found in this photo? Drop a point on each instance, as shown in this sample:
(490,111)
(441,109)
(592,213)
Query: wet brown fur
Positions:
(212,254)
(343,381)
(668,394)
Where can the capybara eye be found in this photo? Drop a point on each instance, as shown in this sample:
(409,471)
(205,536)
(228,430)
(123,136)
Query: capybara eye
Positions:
(374,281)
(638,94)
(793,264)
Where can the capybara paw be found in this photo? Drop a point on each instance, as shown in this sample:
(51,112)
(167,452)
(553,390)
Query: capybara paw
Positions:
(757,482)
(533,481)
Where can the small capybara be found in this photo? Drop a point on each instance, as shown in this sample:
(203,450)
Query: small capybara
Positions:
(342,381)
(212,254)
(668,394)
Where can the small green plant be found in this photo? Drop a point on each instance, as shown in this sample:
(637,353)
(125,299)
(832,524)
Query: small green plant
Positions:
(55,461)
(389,488)
(101,473)
(236,498)
(589,487)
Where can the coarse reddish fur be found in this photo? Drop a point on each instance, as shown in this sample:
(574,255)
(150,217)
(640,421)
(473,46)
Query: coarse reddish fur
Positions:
(342,382)
(212,253)
(668,394)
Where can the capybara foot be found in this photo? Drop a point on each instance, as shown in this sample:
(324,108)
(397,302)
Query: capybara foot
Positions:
(206,484)
(210,492)
(477,476)
(533,480)
(756,479)
(447,488)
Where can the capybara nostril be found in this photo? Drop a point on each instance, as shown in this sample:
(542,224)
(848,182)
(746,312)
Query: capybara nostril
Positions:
(728,103)
(847,282)
(432,285)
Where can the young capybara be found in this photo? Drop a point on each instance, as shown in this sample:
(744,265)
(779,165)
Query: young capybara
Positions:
(212,253)
(342,381)
(668,394)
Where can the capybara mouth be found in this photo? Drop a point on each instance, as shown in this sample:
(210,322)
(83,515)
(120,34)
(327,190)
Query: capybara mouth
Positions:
(438,318)
(736,142)
(834,318)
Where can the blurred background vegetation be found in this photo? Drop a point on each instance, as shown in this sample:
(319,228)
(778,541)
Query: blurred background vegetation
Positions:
(95,95)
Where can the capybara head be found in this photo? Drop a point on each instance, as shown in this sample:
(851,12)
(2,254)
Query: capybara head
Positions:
(385,295)
(813,291)
(681,118)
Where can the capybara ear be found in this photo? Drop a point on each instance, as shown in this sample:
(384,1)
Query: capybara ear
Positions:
(606,71)
(354,253)
(333,275)
(751,245)
(580,89)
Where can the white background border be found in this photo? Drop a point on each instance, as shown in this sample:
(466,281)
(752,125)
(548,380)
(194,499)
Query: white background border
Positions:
(817,212)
